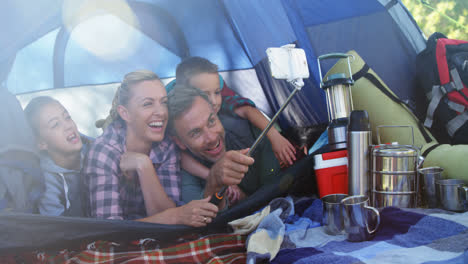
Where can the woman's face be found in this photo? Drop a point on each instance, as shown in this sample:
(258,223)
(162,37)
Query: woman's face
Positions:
(58,133)
(146,110)
(209,83)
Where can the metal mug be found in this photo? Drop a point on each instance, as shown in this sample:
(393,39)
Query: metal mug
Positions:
(452,194)
(429,176)
(332,219)
(356,220)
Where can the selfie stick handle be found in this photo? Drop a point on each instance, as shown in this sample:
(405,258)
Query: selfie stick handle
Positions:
(297,83)
(218,197)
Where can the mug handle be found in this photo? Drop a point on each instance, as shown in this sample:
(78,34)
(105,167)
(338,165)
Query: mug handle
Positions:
(465,199)
(378,219)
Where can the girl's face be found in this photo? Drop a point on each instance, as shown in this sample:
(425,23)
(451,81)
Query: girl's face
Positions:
(58,133)
(209,83)
(146,111)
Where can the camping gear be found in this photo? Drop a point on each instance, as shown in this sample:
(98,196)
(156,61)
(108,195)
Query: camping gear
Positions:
(429,176)
(333,219)
(371,93)
(394,177)
(294,72)
(356,221)
(450,157)
(359,141)
(337,88)
(453,194)
(442,74)
(331,172)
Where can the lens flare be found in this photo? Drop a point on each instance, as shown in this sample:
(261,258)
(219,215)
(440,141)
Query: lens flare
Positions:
(107,29)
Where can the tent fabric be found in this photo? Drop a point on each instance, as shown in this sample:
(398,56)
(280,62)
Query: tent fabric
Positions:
(233,34)
(373,34)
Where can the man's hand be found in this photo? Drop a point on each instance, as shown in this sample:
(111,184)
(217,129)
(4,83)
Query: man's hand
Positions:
(229,170)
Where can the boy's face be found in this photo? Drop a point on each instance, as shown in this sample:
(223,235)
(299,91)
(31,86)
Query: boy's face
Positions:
(57,131)
(209,83)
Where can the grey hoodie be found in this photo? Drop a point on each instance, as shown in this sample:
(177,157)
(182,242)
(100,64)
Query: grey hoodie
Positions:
(63,189)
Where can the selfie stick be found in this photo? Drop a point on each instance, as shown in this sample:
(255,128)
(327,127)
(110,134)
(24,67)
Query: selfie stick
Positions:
(298,83)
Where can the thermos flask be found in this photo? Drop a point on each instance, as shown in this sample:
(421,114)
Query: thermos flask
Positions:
(359,141)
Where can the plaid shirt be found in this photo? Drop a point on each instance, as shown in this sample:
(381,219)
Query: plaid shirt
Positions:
(231,101)
(111,194)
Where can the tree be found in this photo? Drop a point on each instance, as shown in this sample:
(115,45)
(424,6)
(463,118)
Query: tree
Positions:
(449,17)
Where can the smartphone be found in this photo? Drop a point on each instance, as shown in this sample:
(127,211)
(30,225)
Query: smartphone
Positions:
(288,63)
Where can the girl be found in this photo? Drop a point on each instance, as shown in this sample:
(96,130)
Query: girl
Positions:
(62,149)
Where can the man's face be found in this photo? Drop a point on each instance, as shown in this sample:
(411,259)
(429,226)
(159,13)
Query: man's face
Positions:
(209,83)
(200,131)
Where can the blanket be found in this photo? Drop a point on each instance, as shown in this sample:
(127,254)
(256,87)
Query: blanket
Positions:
(214,249)
(292,233)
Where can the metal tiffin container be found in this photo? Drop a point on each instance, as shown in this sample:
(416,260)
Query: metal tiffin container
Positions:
(394,175)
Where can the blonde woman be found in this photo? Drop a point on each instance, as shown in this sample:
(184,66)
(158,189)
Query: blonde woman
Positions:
(132,169)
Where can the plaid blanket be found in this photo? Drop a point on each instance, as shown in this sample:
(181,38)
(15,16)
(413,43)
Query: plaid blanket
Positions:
(213,249)
(405,236)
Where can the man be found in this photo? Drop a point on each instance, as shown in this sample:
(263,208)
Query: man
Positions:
(195,127)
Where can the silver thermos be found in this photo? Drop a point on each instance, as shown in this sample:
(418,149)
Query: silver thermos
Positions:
(359,141)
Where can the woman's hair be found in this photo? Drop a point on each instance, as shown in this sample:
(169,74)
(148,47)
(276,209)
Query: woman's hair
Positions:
(193,66)
(33,109)
(123,94)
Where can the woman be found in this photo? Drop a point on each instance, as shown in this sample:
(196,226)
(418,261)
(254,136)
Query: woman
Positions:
(131,169)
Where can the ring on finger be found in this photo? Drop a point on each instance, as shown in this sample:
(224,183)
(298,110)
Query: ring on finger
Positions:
(205,219)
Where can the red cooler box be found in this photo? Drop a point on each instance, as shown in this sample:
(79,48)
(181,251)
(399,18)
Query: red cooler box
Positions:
(331,171)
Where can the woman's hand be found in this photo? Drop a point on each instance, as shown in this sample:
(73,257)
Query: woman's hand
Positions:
(197,213)
(131,162)
(282,148)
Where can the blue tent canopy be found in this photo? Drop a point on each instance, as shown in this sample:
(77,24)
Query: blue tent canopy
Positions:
(49,44)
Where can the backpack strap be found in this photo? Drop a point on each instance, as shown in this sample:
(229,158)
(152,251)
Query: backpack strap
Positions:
(437,94)
(456,122)
(457,82)
(427,151)
(364,72)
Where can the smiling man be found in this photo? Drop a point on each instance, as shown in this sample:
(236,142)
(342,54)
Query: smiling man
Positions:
(196,127)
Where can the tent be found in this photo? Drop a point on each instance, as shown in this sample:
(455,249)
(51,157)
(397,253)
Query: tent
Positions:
(57,44)
(78,50)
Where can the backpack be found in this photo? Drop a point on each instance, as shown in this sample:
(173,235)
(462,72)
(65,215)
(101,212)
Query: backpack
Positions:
(442,76)
(21,179)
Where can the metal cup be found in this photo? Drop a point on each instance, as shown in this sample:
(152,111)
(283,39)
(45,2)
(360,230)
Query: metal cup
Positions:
(452,194)
(332,220)
(356,219)
(429,177)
